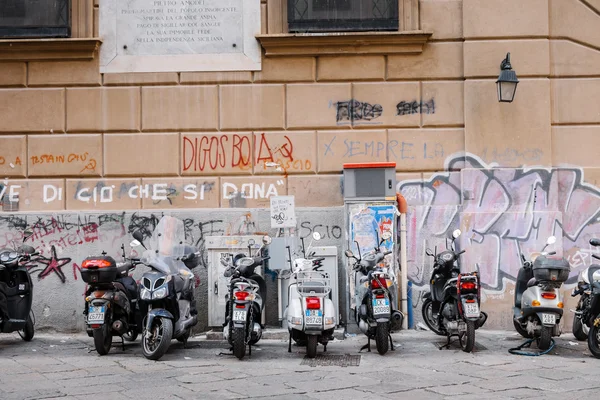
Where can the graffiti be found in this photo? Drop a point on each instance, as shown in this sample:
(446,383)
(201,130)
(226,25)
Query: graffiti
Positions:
(354,110)
(12,165)
(10,191)
(399,150)
(512,155)
(144,224)
(52,263)
(415,107)
(14,222)
(503,213)
(209,153)
(84,159)
(326,231)
(251,190)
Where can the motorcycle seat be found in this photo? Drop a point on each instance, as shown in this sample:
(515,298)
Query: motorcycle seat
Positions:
(130,286)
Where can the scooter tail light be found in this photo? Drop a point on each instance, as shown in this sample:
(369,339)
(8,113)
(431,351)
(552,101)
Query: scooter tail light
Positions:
(535,303)
(378,283)
(313,303)
(241,295)
(550,296)
(468,285)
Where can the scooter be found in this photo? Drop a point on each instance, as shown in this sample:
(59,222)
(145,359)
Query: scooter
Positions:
(245,300)
(586,323)
(452,307)
(310,313)
(374,287)
(538,306)
(166,293)
(16,290)
(111,302)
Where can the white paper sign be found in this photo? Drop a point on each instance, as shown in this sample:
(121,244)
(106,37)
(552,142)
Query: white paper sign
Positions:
(283,212)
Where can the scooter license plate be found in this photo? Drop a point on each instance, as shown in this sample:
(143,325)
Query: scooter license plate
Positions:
(239,315)
(96,315)
(549,319)
(471,309)
(313,317)
(381,306)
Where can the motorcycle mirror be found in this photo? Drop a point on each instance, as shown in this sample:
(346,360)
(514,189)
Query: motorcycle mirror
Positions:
(27,249)
(456,233)
(316,236)
(349,253)
(595,242)
(251,242)
(27,234)
(551,240)
(386,235)
(266,239)
(134,243)
(428,252)
(137,235)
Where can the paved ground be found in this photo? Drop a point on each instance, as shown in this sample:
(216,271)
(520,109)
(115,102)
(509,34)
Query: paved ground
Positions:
(67,367)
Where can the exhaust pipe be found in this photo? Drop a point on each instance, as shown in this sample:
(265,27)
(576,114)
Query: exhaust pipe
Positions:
(119,327)
(482,319)
(398,316)
(189,323)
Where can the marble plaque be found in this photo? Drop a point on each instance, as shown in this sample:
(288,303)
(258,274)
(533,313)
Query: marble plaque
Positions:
(179,35)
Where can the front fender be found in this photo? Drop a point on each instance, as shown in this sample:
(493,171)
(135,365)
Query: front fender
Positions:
(156,312)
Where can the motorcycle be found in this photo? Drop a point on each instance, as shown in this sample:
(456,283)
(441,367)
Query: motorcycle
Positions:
(111,302)
(538,305)
(375,286)
(587,313)
(245,299)
(16,290)
(310,313)
(452,307)
(166,292)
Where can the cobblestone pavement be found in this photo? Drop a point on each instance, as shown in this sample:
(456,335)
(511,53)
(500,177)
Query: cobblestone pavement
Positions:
(67,367)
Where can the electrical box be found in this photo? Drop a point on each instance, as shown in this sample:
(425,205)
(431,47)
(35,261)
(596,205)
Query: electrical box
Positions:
(330,265)
(219,248)
(370,181)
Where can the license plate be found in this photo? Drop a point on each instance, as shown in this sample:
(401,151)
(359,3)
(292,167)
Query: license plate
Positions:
(314,317)
(549,319)
(239,315)
(381,306)
(96,315)
(471,309)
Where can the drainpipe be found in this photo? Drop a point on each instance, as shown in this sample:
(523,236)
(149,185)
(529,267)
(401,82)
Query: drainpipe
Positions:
(403,208)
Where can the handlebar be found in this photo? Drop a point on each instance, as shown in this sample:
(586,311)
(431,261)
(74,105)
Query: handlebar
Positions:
(387,252)
(596,257)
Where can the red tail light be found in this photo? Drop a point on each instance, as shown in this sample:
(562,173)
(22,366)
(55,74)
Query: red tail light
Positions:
(467,285)
(549,295)
(470,300)
(376,284)
(95,264)
(313,303)
(241,295)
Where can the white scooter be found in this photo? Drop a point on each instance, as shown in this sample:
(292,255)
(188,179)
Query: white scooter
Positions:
(310,313)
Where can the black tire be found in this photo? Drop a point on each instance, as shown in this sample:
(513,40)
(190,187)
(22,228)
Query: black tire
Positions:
(239,342)
(578,331)
(164,327)
(382,337)
(429,318)
(311,346)
(545,339)
(130,336)
(103,339)
(468,340)
(594,339)
(521,330)
(28,330)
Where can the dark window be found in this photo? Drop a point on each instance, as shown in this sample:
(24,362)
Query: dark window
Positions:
(342,15)
(34,18)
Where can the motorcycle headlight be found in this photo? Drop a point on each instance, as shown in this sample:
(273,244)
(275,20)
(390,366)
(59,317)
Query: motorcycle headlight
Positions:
(160,293)
(145,294)
(447,257)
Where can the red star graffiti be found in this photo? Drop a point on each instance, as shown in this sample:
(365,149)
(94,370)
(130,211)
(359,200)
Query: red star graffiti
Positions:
(53,264)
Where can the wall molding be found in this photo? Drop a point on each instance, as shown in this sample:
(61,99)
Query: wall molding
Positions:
(49,49)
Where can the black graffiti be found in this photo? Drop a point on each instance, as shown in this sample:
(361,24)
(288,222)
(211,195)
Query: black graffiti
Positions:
(144,224)
(14,222)
(415,107)
(354,110)
(326,231)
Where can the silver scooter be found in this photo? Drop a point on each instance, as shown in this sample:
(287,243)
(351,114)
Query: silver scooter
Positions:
(538,306)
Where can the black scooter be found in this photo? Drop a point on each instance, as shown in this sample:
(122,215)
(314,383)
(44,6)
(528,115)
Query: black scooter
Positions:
(589,314)
(16,290)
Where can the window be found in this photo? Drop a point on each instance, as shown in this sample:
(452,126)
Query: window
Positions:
(342,15)
(35,19)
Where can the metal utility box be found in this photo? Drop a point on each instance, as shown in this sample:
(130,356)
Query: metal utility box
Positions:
(370,181)
(219,247)
(330,265)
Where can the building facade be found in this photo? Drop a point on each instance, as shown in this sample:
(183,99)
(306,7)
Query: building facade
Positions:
(88,156)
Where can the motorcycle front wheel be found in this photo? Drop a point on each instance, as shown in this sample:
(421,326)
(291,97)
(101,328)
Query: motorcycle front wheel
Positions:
(579,328)
(429,318)
(381,337)
(594,339)
(28,330)
(239,342)
(467,342)
(155,346)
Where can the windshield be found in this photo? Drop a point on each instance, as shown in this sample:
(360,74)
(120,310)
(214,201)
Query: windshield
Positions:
(166,245)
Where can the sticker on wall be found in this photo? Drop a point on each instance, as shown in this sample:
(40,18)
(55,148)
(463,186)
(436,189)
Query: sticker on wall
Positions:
(283,212)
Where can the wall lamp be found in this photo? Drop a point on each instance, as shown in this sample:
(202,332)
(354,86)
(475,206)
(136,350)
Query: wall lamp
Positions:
(507,81)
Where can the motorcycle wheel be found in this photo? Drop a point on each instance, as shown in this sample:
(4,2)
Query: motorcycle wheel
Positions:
(103,339)
(239,342)
(545,339)
(311,346)
(28,330)
(381,337)
(158,344)
(427,311)
(130,336)
(467,342)
(521,330)
(579,328)
(594,340)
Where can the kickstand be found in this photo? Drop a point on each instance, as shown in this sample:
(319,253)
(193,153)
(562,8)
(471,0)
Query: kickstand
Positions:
(391,342)
(324,348)
(249,350)
(185,343)
(366,346)
(123,343)
(447,345)
(290,344)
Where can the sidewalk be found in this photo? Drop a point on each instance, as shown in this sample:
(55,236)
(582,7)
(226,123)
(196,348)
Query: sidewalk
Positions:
(68,367)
